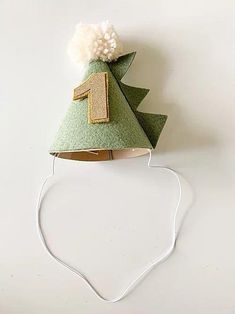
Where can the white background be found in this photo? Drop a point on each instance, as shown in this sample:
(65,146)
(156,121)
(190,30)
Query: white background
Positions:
(109,219)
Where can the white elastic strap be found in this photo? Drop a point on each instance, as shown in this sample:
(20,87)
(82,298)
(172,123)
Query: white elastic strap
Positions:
(149,267)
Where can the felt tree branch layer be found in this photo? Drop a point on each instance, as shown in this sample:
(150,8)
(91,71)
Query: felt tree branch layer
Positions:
(152,124)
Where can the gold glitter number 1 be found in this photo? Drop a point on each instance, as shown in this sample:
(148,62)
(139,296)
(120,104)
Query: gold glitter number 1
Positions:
(96,89)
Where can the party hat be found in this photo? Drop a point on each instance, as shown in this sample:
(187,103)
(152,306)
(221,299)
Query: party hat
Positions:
(103,121)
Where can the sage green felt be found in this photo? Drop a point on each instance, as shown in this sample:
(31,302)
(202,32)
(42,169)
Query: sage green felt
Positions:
(121,65)
(127,128)
(151,123)
(123,130)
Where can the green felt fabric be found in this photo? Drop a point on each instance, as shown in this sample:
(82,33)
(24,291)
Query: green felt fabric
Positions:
(123,130)
(133,94)
(121,66)
(151,123)
(128,127)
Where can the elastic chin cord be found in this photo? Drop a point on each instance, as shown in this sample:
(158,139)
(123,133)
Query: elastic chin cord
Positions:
(149,267)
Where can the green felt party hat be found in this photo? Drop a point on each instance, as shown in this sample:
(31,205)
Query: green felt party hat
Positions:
(122,131)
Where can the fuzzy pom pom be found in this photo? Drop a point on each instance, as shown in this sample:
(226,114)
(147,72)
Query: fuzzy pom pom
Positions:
(95,42)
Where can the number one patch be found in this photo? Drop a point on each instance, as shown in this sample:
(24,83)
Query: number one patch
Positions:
(96,89)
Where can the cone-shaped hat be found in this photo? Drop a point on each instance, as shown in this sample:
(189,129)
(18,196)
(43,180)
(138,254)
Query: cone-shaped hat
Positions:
(103,122)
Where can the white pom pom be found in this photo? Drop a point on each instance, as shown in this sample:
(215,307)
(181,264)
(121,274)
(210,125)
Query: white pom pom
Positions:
(95,42)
